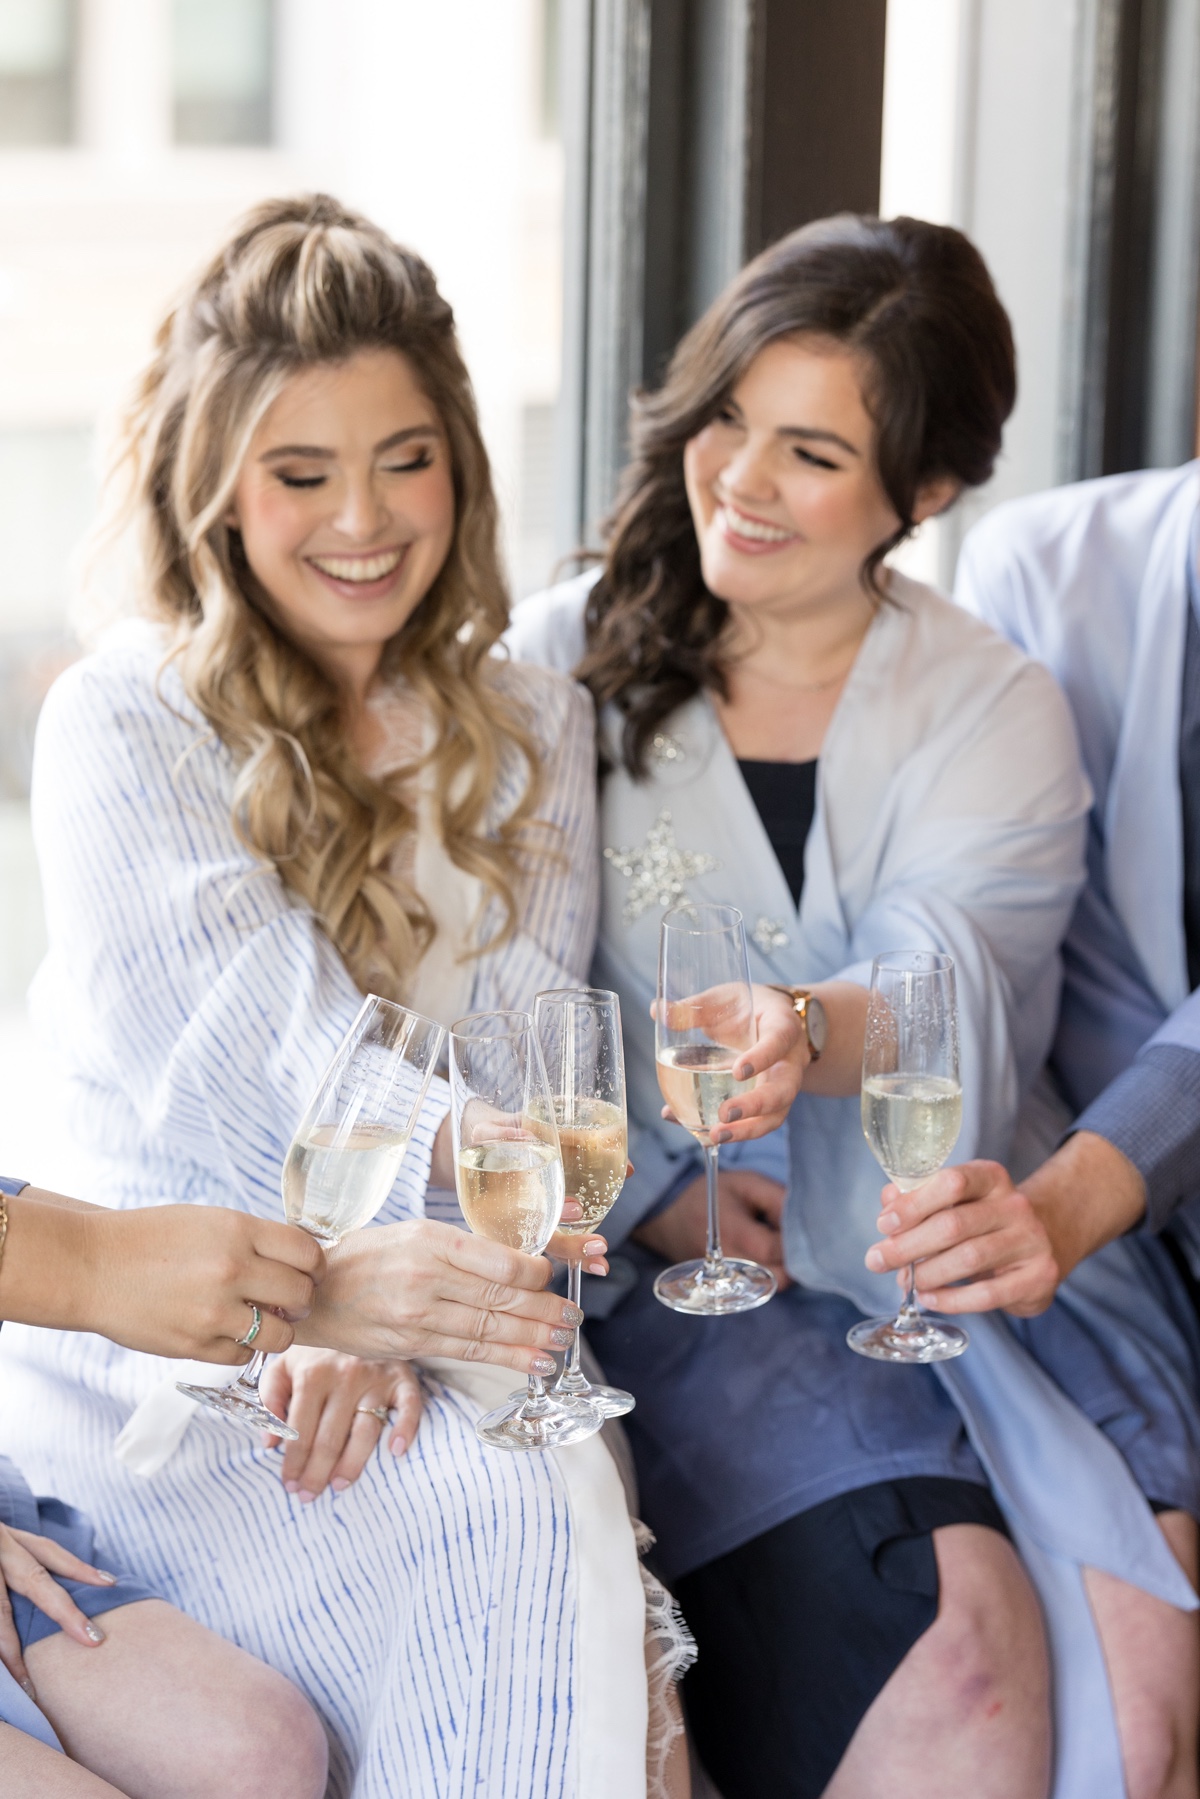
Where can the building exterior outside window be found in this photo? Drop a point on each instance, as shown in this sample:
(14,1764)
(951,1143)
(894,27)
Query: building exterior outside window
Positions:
(37,67)
(222,54)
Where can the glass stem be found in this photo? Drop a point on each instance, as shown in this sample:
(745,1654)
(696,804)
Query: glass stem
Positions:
(247,1381)
(909,1317)
(573,1380)
(712,1252)
(536,1403)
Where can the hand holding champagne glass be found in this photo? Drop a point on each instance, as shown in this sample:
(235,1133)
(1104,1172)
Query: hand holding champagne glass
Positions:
(508,1170)
(911,1113)
(579,1030)
(344,1158)
(704,1024)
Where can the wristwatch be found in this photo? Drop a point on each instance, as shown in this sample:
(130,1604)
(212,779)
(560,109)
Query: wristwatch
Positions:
(811,1014)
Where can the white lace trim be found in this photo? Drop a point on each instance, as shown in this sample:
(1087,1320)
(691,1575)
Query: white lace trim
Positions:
(670,1652)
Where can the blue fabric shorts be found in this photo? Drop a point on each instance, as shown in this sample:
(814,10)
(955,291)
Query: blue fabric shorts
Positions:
(73,1530)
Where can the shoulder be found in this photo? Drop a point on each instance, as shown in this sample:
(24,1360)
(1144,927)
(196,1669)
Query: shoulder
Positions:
(949,652)
(553,705)
(125,674)
(120,715)
(1044,547)
(548,626)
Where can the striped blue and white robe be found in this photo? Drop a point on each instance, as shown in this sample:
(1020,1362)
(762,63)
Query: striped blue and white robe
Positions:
(439,1614)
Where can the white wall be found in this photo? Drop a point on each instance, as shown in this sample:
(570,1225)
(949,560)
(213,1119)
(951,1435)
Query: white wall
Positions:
(978,133)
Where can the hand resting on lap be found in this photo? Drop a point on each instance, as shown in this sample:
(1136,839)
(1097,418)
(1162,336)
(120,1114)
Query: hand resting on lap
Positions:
(751,1222)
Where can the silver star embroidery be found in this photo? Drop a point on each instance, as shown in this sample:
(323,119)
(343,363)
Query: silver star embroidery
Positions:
(658,873)
(769,934)
(667,749)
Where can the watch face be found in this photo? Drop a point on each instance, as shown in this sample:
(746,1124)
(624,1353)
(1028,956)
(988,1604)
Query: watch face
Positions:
(816,1024)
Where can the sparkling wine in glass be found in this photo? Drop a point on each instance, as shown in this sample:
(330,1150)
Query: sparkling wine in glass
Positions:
(911,1116)
(579,1030)
(508,1171)
(345,1155)
(704,1025)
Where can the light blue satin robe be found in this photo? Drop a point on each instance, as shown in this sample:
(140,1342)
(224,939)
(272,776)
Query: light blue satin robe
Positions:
(950,814)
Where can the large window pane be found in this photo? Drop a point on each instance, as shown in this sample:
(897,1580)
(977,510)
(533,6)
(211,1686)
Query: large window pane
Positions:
(221,63)
(36,71)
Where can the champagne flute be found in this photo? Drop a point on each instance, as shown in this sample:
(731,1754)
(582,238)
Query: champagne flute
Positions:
(344,1157)
(704,1024)
(508,1170)
(911,1116)
(579,1030)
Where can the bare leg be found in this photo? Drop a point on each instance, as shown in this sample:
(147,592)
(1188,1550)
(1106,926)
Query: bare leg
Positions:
(968,1709)
(1152,1652)
(167,1710)
(31,1771)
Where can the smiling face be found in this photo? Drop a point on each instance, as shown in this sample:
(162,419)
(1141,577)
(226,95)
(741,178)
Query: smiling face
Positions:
(785,497)
(345,504)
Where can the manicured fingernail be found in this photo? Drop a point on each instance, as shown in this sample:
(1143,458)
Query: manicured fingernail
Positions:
(733,1114)
(544,1364)
(888,1222)
(27,1686)
(743,1073)
(306,1498)
(110,1580)
(720,1137)
(571,1316)
(93,1633)
(595,1267)
(398,1445)
(595,1246)
(339,1485)
(875,1260)
(560,1339)
(291,1486)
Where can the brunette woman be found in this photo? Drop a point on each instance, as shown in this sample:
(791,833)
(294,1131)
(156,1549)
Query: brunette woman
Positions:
(791,726)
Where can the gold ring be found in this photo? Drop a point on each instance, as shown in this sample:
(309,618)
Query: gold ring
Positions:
(382,1412)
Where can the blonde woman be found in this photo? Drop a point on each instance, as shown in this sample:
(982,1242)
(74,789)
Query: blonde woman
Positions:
(301,776)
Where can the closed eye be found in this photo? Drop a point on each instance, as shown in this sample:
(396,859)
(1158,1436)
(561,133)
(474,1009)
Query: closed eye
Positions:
(423,460)
(815,461)
(303,480)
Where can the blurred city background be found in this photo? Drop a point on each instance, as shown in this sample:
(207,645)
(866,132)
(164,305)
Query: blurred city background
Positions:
(522,146)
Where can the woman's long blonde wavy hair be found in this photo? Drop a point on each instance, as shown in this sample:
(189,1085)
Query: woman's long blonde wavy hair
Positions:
(302,282)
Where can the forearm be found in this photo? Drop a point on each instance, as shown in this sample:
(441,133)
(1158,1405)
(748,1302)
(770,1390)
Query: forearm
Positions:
(838,1073)
(42,1273)
(1151,1115)
(1086,1194)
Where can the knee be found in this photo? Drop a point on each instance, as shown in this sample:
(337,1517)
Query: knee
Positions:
(1155,1749)
(988,1649)
(277,1748)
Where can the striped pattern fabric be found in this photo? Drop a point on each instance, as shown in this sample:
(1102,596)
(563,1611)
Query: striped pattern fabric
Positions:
(428,1611)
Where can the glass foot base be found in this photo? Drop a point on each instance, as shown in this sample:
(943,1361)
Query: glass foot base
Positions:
(611,1402)
(232,1404)
(511,1427)
(886,1340)
(712,1288)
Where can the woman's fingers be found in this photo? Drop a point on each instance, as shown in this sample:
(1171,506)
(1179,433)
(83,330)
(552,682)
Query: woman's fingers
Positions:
(52,1555)
(10,1644)
(24,1573)
(570,1246)
(408,1402)
(405,1403)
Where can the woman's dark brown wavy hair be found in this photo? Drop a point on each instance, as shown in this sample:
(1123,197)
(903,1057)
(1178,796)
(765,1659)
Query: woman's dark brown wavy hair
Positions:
(916,302)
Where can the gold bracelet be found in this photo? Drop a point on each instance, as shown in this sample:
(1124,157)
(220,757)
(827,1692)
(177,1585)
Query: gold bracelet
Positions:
(3,1224)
